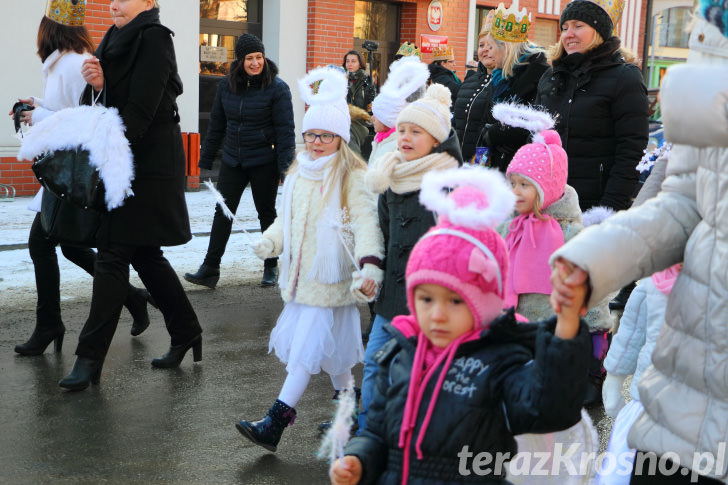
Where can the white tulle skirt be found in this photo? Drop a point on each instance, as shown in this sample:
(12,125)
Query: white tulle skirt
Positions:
(318,338)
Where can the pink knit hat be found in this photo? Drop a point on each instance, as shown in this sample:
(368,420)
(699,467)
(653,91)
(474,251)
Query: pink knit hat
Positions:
(545,164)
(463,252)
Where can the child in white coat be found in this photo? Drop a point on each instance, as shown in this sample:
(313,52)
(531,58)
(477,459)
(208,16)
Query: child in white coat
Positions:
(325,206)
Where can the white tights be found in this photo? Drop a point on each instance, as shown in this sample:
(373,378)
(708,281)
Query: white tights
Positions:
(297,381)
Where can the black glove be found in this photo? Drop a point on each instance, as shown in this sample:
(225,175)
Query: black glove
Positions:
(18,109)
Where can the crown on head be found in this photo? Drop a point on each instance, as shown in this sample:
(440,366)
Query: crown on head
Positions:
(67,12)
(408,49)
(442,53)
(613,8)
(511,24)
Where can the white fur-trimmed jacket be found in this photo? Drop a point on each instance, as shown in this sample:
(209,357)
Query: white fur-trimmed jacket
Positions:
(306,206)
(63,83)
(685,390)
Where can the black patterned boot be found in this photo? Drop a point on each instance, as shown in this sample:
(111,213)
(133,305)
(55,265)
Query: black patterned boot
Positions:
(267,432)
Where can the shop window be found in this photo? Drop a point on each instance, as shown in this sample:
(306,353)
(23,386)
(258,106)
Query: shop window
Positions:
(230,10)
(546,32)
(377,21)
(672,23)
(481,13)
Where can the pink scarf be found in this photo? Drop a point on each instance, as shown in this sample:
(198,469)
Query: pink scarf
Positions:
(383,135)
(427,359)
(665,279)
(530,242)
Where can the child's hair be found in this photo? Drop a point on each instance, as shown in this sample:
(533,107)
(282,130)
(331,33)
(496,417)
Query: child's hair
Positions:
(463,252)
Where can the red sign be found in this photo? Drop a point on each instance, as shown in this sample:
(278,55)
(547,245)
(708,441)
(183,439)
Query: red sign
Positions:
(429,42)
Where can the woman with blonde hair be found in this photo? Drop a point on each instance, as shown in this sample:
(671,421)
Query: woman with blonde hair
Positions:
(518,65)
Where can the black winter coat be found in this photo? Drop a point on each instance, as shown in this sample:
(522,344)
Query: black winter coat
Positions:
(469,110)
(516,378)
(602,109)
(256,125)
(520,88)
(403,221)
(442,75)
(140,71)
(361,90)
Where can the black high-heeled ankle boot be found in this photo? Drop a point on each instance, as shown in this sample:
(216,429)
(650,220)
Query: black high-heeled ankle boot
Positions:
(41,339)
(268,431)
(176,353)
(205,276)
(85,372)
(136,303)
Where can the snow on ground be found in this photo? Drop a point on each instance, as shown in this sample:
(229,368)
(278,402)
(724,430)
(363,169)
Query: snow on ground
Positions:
(239,264)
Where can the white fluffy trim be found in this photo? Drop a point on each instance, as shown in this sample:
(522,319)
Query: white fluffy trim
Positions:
(522,116)
(491,182)
(333,86)
(406,76)
(96,129)
(596,215)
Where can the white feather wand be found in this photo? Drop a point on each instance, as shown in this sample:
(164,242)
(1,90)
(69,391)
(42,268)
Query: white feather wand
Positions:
(220,200)
(336,437)
(340,224)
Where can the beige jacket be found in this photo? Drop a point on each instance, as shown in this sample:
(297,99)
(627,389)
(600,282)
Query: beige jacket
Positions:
(685,390)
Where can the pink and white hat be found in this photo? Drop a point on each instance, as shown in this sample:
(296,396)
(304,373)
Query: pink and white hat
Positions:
(463,252)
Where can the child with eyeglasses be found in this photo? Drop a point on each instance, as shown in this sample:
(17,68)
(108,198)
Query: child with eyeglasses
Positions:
(327,218)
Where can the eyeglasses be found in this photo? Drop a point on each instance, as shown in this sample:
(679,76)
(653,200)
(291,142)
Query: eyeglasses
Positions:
(325,138)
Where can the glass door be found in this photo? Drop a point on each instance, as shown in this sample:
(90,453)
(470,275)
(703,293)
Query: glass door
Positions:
(377,21)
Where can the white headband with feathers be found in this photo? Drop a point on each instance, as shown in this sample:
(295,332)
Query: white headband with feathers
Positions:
(406,76)
(521,116)
(333,86)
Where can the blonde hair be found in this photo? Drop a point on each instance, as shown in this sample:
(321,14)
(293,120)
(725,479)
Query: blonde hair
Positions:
(513,52)
(343,164)
(557,51)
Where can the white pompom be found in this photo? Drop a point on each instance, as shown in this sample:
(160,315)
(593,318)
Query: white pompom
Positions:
(440,93)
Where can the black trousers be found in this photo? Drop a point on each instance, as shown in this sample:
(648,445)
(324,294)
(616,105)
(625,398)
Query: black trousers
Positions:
(663,472)
(111,282)
(231,183)
(47,275)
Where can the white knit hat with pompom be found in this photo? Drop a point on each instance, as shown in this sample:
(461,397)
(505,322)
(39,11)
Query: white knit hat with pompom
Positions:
(431,112)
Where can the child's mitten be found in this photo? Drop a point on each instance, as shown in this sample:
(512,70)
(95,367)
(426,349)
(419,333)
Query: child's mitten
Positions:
(263,248)
(612,394)
(369,272)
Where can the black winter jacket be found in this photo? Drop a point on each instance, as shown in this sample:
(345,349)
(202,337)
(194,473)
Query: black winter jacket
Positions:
(602,109)
(361,90)
(469,110)
(520,88)
(403,221)
(256,125)
(442,75)
(516,378)
(141,81)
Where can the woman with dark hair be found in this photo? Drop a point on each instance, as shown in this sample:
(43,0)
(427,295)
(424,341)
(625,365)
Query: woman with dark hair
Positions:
(63,44)
(361,90)
(600,100)
(136,70)
(252,119)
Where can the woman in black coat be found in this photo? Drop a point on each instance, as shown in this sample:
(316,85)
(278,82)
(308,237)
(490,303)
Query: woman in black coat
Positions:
(600,103)
(252,120)
(136,69)
(361,90)
(442,71)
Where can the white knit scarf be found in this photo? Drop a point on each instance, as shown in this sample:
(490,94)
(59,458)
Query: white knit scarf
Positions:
(392,171)
(330,264)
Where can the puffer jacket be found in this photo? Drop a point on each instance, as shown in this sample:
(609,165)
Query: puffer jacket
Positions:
(403,221)
(469,110)
(256,125)
(306,208)
(516,378)
(602,116)
(632,346)
(685,391)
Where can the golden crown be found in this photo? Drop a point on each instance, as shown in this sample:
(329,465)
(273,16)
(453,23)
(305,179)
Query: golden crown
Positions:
(67,12)
(614,9)
(442,53)
(511,24)
(408,49)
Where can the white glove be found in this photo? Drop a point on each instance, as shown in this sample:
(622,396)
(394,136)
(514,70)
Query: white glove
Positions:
(369,272)
(612,394)
(263,248)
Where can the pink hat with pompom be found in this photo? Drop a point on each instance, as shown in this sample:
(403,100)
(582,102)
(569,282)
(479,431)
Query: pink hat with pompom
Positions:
(463,252)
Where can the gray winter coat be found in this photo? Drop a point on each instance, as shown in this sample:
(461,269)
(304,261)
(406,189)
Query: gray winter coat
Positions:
(685,391)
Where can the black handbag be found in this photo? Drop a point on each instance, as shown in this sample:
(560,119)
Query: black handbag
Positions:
(66,223)
(68,175)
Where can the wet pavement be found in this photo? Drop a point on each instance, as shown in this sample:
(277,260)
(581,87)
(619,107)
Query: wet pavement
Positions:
(147,425)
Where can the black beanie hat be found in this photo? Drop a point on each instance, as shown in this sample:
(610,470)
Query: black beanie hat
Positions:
(248,43)
(590,13)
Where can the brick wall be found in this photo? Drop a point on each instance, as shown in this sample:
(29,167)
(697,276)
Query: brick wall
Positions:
(330,31)
(98,18)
